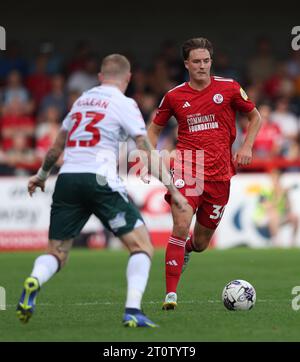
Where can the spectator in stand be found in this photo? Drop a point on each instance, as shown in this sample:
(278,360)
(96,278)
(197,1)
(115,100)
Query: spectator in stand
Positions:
(293,70)
(293,64)
(12,59)
(84,79)
(81,54)
(39,82)
(147,102)
(279,84)
(223,67)
(262,64)
(15,91)
(254,91)
(158,78)
(47,130)
(138,83)
(54,59)
(172,58)
(57,97)
(288,124)
(20,158)
(15,120)
(268,143)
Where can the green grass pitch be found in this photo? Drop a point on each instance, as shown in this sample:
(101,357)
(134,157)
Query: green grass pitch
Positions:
(84,302)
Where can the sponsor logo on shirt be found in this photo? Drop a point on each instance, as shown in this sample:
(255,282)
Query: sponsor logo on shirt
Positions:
(197,122)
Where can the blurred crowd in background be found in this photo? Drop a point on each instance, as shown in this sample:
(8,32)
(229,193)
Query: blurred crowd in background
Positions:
(37,93)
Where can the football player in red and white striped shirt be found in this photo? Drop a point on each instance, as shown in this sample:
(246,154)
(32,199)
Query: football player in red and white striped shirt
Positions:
(205,108)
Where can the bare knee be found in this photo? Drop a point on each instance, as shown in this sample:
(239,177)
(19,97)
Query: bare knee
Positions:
(182,221)
(60,249)
(181,229)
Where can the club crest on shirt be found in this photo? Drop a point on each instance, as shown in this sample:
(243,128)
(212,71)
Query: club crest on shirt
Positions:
(218,98)
(179,183)
(243,94)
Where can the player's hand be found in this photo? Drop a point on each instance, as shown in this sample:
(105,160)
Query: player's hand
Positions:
(243,156)
(35,182)
(180,201)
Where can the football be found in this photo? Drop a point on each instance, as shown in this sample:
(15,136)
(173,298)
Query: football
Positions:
(239,295)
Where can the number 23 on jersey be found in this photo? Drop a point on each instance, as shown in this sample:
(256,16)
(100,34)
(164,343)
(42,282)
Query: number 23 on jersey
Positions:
(91,128)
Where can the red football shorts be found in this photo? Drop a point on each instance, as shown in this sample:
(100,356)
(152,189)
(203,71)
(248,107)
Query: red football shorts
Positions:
(209,203)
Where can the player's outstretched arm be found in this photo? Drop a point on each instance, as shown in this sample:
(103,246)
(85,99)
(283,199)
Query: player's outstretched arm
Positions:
(50,159)
(159,170)
(154,132)
(244,154)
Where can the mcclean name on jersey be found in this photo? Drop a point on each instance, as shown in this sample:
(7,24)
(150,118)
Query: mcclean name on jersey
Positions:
(197,122)
(92,102)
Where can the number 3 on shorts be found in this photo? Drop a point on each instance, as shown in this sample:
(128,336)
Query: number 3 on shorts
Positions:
(217,212)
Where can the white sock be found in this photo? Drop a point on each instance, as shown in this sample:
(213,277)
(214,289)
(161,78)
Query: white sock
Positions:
(45,266)
(137,273)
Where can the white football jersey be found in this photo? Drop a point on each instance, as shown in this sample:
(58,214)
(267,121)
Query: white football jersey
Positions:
(99,120)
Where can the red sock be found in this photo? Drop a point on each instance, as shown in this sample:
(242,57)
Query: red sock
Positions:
(174,260)
(189,244)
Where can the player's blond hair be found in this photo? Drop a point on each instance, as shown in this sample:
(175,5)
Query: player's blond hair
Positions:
(115,66)
(196,43)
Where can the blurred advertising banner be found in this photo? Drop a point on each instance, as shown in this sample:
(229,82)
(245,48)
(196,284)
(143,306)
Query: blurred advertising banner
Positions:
(24,221)
(259,203)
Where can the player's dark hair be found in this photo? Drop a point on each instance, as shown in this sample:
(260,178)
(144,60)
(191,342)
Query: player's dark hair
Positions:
(196,43)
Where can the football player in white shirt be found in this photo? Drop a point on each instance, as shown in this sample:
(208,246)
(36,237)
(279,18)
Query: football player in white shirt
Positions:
(88,184)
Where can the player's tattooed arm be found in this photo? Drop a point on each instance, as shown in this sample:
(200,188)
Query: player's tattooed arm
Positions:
(55,151)
(159,170)
(52,156)
(144,144)
(153,162)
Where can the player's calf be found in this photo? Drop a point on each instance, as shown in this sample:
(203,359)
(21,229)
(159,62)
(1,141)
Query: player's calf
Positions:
(138,240)
(201,238)
(45,266)
(60,249)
